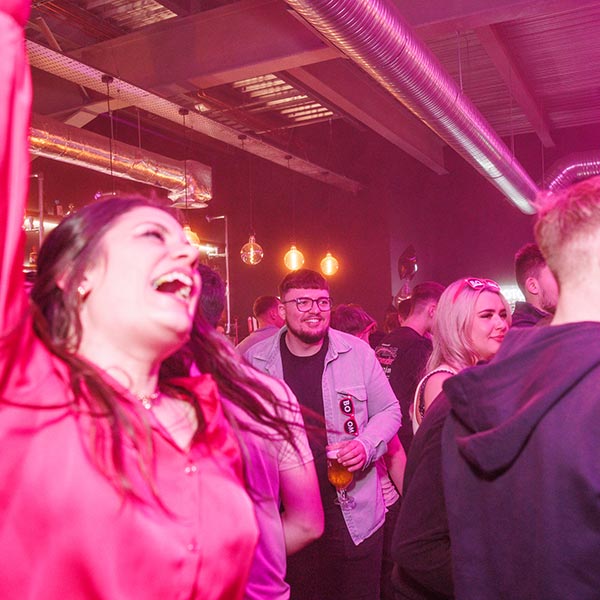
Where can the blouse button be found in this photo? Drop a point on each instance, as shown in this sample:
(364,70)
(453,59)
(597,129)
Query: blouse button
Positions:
(190,469)
(192,546)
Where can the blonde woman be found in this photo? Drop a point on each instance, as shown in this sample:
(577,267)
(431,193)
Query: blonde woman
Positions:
(471,320)
(470,323)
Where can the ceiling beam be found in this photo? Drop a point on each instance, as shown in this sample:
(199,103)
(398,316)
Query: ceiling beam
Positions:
(68,16)
(69,69)
(434,19)
(250,38)
(344,85)
(493,43)
(226,44)
(180,7)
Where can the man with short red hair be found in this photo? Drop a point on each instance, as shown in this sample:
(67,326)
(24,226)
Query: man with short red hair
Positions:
(520,447)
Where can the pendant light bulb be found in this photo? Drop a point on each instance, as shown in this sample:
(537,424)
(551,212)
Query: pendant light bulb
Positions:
(251,252)
(293,259)
(329,265)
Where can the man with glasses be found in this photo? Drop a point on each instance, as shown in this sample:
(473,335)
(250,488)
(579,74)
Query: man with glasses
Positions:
(346,399)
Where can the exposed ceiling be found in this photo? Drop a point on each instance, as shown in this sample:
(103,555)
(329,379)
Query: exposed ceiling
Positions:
(254,68)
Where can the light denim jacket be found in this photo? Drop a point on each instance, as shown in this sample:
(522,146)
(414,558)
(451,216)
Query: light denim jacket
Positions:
(350,368)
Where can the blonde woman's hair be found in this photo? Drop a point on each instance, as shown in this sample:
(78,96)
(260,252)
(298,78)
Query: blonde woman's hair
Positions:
(452,343)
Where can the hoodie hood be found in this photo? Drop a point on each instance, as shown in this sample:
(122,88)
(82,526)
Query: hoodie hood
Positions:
(501,403)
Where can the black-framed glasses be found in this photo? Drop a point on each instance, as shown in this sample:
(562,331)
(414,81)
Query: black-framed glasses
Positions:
(306,304)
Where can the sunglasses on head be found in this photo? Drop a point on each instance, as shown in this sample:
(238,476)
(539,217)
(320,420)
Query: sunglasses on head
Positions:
(478,285)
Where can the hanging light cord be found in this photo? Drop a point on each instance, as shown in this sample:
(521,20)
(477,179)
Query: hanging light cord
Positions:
(288,158)
(184,112)
(326,189)
(139,126)
(251,192)
(107,79)
(243,137)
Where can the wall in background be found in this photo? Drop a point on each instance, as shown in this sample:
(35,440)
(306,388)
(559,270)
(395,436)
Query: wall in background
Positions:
(458,223)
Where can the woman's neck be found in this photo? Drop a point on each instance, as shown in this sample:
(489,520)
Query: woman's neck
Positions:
(138,374)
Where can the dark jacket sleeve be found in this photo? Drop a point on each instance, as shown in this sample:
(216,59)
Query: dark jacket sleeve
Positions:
(421,541)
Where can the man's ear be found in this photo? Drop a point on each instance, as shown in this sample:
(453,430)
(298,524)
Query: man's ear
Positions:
(432,308)
(532,286)
(281,310)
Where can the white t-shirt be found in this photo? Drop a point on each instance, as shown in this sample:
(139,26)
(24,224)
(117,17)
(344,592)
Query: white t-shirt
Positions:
(265,455)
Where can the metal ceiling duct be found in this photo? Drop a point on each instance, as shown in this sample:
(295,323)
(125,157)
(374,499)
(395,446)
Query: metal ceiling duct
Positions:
(374,35)
(52,139)
(572,168)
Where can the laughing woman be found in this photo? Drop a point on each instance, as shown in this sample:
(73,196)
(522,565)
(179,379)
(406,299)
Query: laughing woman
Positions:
(113,486)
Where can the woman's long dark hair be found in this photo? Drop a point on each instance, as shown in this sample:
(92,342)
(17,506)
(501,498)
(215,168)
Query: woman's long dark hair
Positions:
(63,258)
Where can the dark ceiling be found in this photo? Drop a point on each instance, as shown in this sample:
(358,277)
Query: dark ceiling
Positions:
(255,68)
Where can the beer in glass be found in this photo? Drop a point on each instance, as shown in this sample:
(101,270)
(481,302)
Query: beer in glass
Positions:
(339,476)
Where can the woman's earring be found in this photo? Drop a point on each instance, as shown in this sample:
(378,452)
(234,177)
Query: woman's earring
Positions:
(81,291)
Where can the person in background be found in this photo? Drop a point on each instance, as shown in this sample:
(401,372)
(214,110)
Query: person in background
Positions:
(404,352)
(337,377)
(279,465)
(390,322)
(266,313)
(212,296)
(538,285)
(353,319)
(470,322)
(404,307)
(520,447)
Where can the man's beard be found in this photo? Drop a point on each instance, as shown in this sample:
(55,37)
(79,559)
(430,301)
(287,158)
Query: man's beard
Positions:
(309,337)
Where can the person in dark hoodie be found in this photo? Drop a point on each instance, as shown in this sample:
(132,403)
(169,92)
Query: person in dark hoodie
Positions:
(520,447)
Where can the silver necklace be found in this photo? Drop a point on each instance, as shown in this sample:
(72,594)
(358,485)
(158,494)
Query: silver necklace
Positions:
(148,400)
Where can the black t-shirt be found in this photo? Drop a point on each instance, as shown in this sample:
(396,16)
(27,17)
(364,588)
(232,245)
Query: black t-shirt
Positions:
(403,354)
(304,375)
